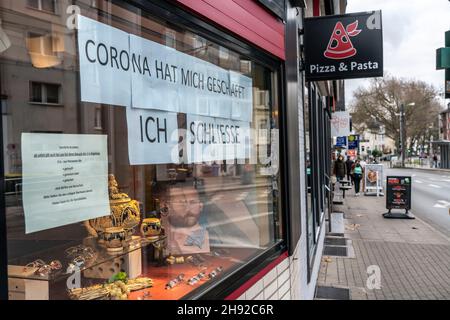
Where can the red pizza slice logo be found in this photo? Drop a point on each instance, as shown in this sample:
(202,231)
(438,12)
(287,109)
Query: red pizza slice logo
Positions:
(340,46)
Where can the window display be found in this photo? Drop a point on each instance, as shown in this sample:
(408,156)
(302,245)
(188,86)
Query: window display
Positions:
(132,185)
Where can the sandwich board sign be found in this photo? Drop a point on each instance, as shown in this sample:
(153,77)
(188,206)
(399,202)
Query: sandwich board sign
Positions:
(344,46)
(398,196)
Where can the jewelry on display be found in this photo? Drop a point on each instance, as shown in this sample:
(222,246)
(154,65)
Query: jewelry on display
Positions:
(70,268)
(172,283)
(176,260)
(55,265)
(35,264)
(179,260)
(43,269)
(215,272)
(86,252)
(170,260)
(196,278)
(79,261)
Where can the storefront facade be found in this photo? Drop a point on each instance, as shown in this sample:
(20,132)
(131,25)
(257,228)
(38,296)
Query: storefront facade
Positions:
(162,141)
(443,143)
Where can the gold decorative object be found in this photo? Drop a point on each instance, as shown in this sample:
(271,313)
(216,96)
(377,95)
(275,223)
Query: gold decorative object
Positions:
(176,260)
(115,290)
(124,213)
(115,238)
(151,228)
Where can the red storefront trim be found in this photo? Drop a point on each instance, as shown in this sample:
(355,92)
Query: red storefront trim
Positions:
(316,8)
(237,293)
(245,18)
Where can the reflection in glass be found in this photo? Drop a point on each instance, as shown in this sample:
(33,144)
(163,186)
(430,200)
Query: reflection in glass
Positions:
(214,216)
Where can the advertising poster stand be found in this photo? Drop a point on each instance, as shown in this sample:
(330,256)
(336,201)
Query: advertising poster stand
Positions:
(398,196)
(373,180)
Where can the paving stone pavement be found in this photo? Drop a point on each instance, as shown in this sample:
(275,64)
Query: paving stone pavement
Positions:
(413,258)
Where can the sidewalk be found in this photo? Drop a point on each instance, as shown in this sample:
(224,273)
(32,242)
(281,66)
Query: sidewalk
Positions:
(413,257)
(425,166)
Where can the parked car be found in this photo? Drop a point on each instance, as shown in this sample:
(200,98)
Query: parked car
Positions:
(387,157)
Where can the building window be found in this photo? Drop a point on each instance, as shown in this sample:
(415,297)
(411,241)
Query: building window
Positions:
(45,93)
(43,5)
(180,216)
(171,38)
(40,44)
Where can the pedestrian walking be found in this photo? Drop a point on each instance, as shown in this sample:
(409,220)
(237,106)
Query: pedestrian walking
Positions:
(357,173)
(435,161)
(340,169)
(349,164)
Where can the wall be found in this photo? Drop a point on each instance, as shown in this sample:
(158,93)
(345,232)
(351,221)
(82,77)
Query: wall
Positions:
(245,18)
(273,283)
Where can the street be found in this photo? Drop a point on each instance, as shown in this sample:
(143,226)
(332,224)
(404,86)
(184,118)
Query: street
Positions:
(430,196)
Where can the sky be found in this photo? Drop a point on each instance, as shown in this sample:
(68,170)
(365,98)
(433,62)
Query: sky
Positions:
(412,31)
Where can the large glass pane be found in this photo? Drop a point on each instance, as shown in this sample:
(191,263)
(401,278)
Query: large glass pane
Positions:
(36,92)
(49,5)
(80,207)
(33,3)
(309,172)
(52,91)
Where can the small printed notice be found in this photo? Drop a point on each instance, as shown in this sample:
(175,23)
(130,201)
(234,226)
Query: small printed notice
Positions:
(65,179)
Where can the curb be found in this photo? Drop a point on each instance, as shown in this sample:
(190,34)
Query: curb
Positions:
(433,228)
(423,169)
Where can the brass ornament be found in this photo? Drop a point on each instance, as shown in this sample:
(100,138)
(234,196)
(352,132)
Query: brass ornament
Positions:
(125,212)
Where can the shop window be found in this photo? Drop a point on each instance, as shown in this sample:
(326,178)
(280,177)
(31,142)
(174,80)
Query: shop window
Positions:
(310,171)
(43,5)
(162,188)
(45,93)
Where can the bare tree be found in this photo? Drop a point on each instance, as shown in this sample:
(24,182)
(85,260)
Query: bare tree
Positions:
(379,104)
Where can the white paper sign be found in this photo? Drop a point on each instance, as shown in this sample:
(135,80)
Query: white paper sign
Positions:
(65,179)
(124,69)
(214,139)
(166,79)
(104,63)
(152,137)
(340,124)
(242,109)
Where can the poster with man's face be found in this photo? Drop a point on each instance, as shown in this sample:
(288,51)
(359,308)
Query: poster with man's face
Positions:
(373,173)
(186,234)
